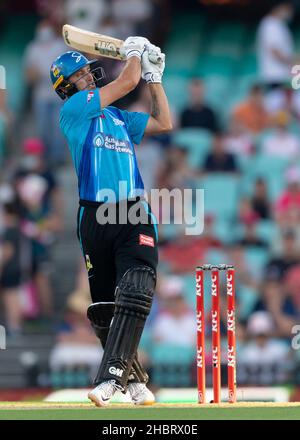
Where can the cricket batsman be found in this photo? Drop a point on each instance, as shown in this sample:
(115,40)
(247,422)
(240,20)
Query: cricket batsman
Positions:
(121,257)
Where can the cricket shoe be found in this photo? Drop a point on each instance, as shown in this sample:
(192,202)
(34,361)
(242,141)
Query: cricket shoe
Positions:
(140,394)
(102,394)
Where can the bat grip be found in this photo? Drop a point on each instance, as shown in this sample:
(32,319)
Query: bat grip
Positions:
(153,57)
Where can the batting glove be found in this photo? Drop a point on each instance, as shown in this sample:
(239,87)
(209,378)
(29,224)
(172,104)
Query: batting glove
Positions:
(154,53)
(134,47)
(152,73)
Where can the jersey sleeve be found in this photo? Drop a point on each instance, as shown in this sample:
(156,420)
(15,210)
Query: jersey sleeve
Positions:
(136,124)
(81,106)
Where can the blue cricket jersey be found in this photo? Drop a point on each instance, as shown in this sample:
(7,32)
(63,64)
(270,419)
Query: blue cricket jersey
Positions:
(102,147)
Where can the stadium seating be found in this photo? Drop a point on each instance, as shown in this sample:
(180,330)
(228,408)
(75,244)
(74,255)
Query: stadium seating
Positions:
(176,87)
(246,298)
(217,88)
(11,55)
(172,364)
(266,230)
(271,169)
(256,258)
(223,230)
(2,138)
(197,141)
(220,195)
(221,52)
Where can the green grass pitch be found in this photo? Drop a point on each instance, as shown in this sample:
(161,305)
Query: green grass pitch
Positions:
(85,411)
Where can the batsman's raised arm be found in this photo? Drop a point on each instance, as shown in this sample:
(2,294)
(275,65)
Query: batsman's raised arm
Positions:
(160,119)
(131,74)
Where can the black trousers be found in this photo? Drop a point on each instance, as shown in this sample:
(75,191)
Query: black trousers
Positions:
(111,249)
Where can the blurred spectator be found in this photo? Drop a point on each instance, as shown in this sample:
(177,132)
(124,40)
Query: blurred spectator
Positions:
(143,103)
(197,113)
(46,107)
(264,359)
(11,268)
(287,206)
(281,142)
(86,15)
(246,214)
(292,282)
(245,275)
(52,11)
(7,196)
(176,172)
(36,226)
(184,253)
(33,162)
(150,159)
(250,237)
(287,256)
(175,322)
(219,160)
(77,347)
(251,113)
(4,116)
(238,141)
(260,200)
(283,99)
(277,300)
(109,26)
(275,45)
(132,16)
(293,285)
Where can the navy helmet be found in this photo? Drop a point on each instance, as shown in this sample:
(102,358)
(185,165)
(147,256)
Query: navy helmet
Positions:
(65,66)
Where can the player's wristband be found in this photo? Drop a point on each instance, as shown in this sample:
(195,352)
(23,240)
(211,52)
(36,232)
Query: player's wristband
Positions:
(152,78)
(134,53)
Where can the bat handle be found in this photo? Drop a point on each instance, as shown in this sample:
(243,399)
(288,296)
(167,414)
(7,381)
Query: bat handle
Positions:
(153,57)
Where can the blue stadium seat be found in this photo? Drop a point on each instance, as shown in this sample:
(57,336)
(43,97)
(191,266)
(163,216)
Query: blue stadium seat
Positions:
(263,164)
(266,230)
(2,139)
(246,298)
(197,141)
(223,230)
(168,353)
(190,289)
(217,88)
(271,169)
(228,33)
(257,258)
(248,64)
(220,195)
(176,87)
(172,364)
(216,65)
(11,55)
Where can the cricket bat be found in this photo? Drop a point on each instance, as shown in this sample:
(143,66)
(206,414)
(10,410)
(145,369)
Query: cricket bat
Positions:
(96,44)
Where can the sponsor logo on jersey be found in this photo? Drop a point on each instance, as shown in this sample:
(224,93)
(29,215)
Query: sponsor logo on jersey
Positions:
(98,140)
(145,240)
(90,95)
(111,143)
(118,121)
